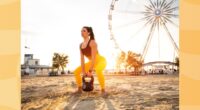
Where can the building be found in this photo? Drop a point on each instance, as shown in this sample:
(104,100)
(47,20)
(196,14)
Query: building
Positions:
(32,66)
(28,60)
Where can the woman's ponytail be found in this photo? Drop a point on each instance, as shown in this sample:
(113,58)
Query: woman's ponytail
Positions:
(90,30)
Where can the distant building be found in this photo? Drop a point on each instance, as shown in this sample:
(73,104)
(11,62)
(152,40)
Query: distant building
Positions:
(32,66)
(33,62)
(28,60)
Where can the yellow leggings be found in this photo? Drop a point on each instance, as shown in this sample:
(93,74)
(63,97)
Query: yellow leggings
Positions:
(99,66)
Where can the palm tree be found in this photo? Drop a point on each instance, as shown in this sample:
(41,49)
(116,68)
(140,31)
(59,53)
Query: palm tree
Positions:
(64,62)
(60,61)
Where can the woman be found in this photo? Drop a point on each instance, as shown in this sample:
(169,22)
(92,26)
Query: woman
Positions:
(96,62)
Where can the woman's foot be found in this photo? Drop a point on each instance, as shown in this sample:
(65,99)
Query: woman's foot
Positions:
(104,93)
(79,91)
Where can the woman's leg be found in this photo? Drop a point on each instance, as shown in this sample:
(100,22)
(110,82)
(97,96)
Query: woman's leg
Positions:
(99,67)
(99,71)
(77,73)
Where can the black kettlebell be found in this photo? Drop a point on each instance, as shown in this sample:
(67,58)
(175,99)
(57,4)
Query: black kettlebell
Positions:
(87,83)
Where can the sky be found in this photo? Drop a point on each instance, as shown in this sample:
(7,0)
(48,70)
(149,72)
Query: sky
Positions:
(50,26)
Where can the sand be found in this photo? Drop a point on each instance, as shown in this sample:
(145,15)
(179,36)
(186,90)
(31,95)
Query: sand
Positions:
(152,92)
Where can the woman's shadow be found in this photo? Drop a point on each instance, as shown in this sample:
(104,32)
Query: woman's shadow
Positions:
(109,104)
(87,103)
(78,103)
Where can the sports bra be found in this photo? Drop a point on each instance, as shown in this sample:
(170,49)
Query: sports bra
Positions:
(87,51)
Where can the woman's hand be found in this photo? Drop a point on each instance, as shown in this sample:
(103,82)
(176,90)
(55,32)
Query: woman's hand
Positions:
(89,73)
(84,73)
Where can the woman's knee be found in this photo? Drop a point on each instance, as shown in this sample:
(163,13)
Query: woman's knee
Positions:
(77,71)
(100,67)
(99,72)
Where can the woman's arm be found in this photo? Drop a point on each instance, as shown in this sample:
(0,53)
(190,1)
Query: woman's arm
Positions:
(82,63)
(93,46)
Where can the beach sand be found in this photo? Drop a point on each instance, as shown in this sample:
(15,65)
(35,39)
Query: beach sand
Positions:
(151,92)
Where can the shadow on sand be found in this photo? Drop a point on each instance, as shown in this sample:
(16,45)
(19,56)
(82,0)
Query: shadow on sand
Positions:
(78,102)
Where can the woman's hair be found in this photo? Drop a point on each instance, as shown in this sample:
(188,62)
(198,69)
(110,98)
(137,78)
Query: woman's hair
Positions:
(89,29)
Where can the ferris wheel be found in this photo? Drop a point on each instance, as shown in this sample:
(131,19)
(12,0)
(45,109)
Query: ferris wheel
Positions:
(137,24)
